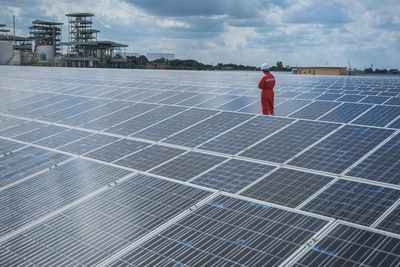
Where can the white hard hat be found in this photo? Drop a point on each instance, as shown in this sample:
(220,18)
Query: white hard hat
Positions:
(265,66)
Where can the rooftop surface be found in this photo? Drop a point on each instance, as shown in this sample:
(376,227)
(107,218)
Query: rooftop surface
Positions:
(164,168)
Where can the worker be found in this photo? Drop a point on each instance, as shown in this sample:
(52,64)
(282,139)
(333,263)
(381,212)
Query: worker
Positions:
(267,84)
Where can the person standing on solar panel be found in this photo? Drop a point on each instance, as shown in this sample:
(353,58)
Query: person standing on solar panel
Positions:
(267,84)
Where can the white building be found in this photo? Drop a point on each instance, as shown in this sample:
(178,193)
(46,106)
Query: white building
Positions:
(154,56)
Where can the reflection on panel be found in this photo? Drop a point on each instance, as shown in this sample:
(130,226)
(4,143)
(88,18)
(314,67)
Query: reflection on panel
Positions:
(229,232)
(350,246)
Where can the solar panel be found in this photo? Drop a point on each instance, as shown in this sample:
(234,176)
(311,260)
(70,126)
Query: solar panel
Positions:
(287,187)
(250,132)
(142,121)
(233,175)
(7,146)
(169,168)
(227,231)
(174,124)
(149,157)
(377,167)
(351,246)
(392,222)
(40,133)
(87,144)
(343,148)
(353,201)
(345,112)
(379,116)
(290,141)
(27,161)
(314,110)
(290,106)
(116,150)
(207,129)
(187,166)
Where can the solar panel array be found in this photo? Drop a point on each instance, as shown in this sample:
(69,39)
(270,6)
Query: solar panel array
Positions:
(179,168)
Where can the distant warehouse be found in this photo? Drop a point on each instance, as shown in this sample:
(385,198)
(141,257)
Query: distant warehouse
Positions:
(319,70)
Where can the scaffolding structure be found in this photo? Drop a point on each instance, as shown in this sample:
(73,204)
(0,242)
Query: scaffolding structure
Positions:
(83,48)
(4,32)
(46,33)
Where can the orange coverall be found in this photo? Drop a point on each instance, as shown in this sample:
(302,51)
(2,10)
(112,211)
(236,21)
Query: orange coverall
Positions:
(267,84)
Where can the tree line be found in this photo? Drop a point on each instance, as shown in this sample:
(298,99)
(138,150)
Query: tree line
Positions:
(142,62)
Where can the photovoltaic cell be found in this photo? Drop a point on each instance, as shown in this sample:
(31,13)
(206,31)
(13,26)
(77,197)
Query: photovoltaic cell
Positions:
(287,187)
(72,111)
(25,162)
(208,129)
(329,96)
(87,144)
(340,150)
(351,246)
(395,124)
(161,96)
(38,104)
(246,135)
(10,122)
(238,103)
(145,120)
(8,146)
(290,141)
(229,232)
(196,100)
(178,98)
(351,98)
(383,165)
(374,99)
(188,166)
(345,112)
(233,175)
(353,201)
(392,222)
(314,110)
(149,157)
(379,116)
(117,150)
(175,124)
(95,113)
(393,101)
(307,96)
(290,106)
(217,101)
(62,138)
(21,128)
(92,231)
(51,190)
(40,133)
(118,117)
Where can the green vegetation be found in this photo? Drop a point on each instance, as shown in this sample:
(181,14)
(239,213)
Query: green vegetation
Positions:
(190,64)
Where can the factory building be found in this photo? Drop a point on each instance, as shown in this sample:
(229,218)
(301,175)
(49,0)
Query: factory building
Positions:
(14,50)
(83,48)
(319,70)
(46,36)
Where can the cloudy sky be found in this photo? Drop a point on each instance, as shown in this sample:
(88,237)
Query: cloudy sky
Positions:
(300,32)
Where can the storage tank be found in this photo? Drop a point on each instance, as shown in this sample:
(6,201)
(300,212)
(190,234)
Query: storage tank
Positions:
(47,50)
(6,51)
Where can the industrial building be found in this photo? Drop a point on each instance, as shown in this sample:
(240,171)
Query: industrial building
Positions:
(47,38)
(14,50)
(83,48)
(319,70)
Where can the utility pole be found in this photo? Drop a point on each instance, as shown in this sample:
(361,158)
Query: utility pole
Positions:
(14,26)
